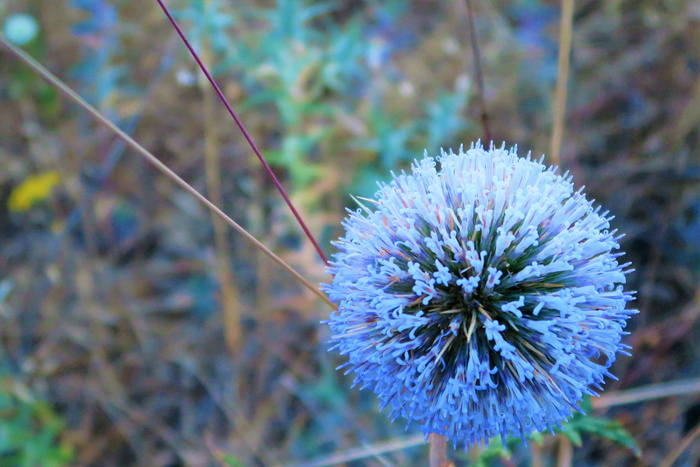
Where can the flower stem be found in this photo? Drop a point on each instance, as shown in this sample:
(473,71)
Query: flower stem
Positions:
(438,450)
(566,452)
(246,135)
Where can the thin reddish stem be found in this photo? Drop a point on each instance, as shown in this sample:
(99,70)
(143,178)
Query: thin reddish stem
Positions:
(246,135)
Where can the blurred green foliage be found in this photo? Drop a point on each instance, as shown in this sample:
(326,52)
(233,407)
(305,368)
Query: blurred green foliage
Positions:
(29,429)
(582,424)
(309,74)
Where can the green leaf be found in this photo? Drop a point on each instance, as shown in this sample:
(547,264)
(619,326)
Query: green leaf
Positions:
(581,424)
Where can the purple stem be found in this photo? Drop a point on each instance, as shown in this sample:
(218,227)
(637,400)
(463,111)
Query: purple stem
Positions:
(245,133)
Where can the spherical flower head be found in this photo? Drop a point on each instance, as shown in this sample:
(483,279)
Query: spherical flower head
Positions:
(479,296)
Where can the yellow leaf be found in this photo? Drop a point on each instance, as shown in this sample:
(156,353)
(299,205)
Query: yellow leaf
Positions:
(34,189)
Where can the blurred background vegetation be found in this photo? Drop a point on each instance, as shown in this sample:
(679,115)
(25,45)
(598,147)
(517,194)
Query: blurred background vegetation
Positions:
(136,331)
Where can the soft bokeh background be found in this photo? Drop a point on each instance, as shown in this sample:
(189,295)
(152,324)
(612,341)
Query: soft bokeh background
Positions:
(134,331)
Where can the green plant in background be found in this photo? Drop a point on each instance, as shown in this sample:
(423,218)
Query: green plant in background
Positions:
(581,424)
(30,430)
(302,75)
(210,19)
(317,84)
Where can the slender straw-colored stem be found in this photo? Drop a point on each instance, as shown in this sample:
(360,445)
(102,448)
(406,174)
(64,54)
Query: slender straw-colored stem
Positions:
(245,133)
(565,454)
(476,52)
(566,25)
(230,298)
(438,450)
(536,455)
(72,95)
(566,450)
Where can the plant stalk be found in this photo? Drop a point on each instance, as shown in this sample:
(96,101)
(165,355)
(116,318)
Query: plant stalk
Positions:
(438,450)
(566,25)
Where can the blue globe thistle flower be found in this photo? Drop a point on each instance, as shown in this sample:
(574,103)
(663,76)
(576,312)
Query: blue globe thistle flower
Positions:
(482,298)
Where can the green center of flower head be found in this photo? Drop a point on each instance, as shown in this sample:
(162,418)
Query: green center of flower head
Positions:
(480,298)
